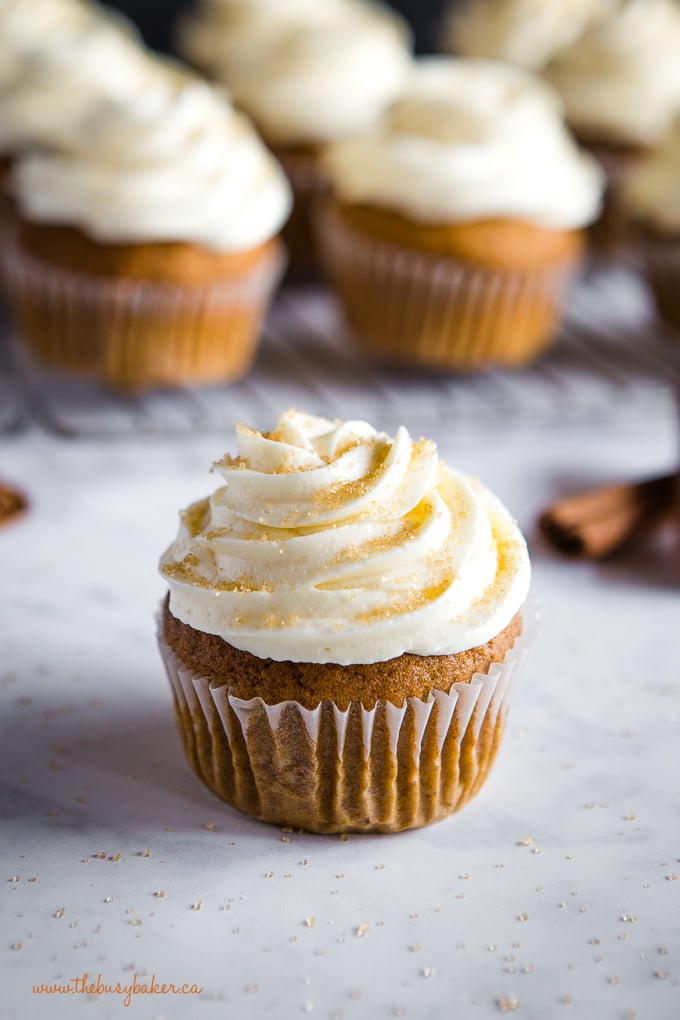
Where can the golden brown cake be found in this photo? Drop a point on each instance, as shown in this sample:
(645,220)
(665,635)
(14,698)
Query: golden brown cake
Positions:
(347,665)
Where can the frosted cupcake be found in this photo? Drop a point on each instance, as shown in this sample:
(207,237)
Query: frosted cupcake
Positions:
(524,32)
(652,197)
(307,73)
(147,255)
(343,622)
(456,225)
(620,85)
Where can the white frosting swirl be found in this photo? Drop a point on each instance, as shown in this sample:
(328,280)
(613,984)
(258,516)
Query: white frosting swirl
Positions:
(526,32)
(307,71)
(652,189)
(621,80)
(59,59)
(178,164)
(332,542)
(471,139)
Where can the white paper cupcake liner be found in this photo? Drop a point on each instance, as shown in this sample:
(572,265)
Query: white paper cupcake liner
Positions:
(135,334)
(328,769)
(437,310)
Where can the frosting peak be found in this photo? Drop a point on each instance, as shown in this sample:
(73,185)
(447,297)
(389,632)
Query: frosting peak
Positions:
(333,542)
(471,139)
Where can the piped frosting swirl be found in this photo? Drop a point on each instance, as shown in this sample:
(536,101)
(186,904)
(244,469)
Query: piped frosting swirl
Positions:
(333,542)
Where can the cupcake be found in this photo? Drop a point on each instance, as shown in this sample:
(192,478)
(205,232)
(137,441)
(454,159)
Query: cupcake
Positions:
(652,197)
(454,227)
(620,85)
(147,255)
(307,73)
(343,621)
(524,32)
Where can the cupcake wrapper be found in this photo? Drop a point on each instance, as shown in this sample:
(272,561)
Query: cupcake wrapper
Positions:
(437,310)
(136,334)
(661,263)
(329,769)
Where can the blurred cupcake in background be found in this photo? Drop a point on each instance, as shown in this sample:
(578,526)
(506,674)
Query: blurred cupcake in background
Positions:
(455,226)
(308,73)
(620,85)
(525,32)
(652,195)
(145,254)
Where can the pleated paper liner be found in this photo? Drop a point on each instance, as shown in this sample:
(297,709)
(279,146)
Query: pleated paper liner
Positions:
(138,334)
(411,307)
(330,770)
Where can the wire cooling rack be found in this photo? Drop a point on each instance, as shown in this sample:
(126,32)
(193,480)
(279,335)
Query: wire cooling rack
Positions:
(611,357)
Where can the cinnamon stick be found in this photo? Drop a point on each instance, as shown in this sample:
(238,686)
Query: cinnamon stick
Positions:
(12,504)
(596,523)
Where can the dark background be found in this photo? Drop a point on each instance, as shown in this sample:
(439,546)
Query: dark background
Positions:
(156,19)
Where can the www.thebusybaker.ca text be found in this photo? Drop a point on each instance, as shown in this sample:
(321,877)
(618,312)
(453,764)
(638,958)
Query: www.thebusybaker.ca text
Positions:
(85,985)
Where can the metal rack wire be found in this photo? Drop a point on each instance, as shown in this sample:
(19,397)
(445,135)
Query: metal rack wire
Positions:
(611,357)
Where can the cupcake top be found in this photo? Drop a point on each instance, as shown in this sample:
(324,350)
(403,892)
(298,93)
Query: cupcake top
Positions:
(526,32)
(620,81)
(59,58)
(652,191)
(177,164)
(333,542)
(305,71)
(470,140)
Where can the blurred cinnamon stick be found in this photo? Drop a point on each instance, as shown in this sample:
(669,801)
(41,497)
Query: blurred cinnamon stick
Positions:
(12,504)
(594,524)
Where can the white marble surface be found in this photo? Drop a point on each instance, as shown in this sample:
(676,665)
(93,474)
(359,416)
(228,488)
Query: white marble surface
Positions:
(556,893)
